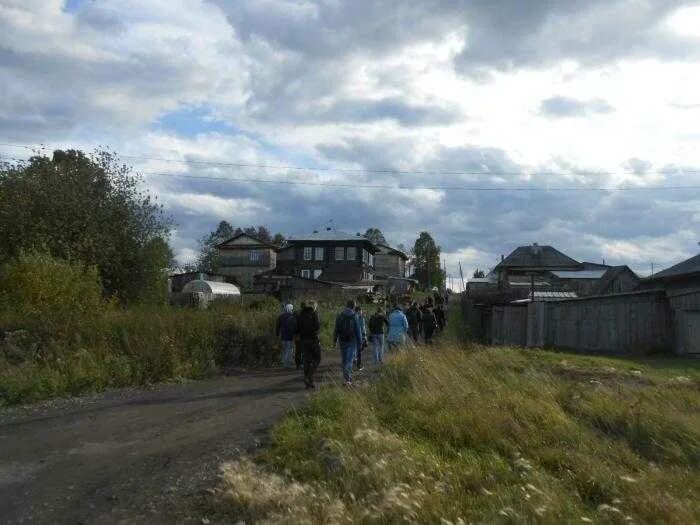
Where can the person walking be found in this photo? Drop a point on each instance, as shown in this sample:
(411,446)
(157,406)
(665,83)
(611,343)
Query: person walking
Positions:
(429,323)
(348,335)
(413,315)
(398,328)
(363,328)
(285,330)
(439,312)
(309,342)
(377,323)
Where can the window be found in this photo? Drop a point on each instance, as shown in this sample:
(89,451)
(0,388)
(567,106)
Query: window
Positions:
(255,255)
(317,273)
(365,256)
(306,274)
(319,254)
(308,253)
(339,253)
(352,253)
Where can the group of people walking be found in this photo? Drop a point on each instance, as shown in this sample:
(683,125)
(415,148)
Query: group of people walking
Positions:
(353,334)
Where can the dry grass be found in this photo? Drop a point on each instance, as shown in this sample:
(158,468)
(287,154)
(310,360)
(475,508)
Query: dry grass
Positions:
(468,434)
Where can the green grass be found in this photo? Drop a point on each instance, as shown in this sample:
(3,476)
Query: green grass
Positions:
(461,434)
(117,347)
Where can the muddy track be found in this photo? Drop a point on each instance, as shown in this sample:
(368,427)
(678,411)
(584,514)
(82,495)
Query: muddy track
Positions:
(137,455)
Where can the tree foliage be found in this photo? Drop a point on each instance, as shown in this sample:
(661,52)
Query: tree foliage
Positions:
(426,262)
(375,235)
(86,209)
(479,273)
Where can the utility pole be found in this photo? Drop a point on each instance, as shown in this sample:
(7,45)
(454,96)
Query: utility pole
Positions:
(461,276)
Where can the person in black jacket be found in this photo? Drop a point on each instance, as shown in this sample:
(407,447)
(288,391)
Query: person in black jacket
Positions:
(439,312)
(309,328)
(428,322)
(413,314)
(377,323)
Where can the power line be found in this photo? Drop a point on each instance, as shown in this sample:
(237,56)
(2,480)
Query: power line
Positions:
(248,180)
(386,171)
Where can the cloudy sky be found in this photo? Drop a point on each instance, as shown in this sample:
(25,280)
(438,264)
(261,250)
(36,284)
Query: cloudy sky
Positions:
(490,123)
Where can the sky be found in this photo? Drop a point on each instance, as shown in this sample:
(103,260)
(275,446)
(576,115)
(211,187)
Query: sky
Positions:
(489,123)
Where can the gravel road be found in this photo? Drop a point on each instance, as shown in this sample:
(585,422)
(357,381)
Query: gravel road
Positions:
(136,455)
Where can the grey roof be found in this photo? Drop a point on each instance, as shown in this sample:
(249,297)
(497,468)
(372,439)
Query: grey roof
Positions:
(609,276)
(396,250)
(328,235)
(536,256)
(686,267)
(582,274)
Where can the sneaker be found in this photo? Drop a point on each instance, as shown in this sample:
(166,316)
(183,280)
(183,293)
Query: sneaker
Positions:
(360,368)
(348,384)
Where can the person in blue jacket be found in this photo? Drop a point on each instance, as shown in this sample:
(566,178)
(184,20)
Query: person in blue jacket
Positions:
(398,328)
(285,330)
(348,336)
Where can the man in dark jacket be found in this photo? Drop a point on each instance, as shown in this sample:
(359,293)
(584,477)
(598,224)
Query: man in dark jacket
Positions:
(348,335)
(413,315)
(285,330)
(377,323)
(429,323)
(439,312)
(309,326)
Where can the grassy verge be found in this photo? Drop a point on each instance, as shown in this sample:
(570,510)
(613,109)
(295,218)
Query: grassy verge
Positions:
(116,347)
(467,434)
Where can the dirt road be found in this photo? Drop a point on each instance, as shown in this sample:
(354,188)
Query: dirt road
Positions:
(144,456)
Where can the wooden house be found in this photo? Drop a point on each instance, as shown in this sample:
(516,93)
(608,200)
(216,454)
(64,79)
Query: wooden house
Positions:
(389,262)
(243,256)
(330,256)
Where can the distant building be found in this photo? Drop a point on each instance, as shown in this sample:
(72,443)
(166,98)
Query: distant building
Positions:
(685,274)
(389,262)
(243,256)
(330,256)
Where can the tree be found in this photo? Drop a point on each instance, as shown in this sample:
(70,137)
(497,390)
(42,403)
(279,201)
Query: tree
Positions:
(278,239)
(479,274)
(207,245)
(426,262)
(85,209)
(263,234)
(375,235)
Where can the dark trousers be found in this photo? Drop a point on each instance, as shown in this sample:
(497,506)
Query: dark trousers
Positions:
(298,355)
(311,356)
(428,333)
(358,357)
(414,332)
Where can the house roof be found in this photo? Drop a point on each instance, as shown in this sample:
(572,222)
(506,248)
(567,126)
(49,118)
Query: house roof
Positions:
(328,235)
(243,234)
(686,267)
(581,274)
(548,296)
(536,256)
(610,276)
(394,251)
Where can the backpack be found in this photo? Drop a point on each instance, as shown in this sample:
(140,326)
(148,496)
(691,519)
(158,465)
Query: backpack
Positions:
(428,318)
(346,328)
(308,327)
(376,324)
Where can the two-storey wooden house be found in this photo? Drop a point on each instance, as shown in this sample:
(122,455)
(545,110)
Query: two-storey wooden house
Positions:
(389,262)
(243,256)
(330,255)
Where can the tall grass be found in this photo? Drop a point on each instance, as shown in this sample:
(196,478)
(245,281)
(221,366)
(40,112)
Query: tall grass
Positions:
(140,345)
(460,434)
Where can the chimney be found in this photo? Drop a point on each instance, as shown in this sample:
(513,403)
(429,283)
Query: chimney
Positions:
(358,234)
(315,231)
(502,257)
(328,228)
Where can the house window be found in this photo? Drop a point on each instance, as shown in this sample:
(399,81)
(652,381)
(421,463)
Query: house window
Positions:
(339,253)
(352,253)
(317,273)
(365,258)
(370,259)
(308,253)
(306,274)
(255,256)
(319,254)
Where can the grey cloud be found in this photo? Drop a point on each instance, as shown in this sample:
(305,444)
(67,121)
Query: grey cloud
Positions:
(571,107)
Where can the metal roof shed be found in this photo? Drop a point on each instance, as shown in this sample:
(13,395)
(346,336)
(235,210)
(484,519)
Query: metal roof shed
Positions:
(211,287)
